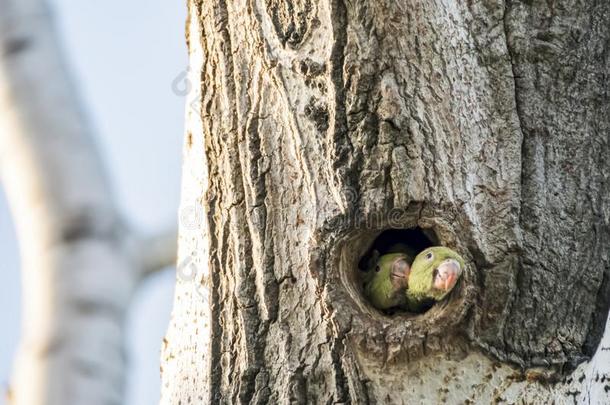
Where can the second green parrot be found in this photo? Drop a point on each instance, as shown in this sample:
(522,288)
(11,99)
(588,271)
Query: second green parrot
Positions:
(385,282)
(434,273)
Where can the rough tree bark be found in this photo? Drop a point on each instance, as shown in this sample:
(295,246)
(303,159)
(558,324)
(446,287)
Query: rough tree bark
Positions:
(81,262)
(315,125)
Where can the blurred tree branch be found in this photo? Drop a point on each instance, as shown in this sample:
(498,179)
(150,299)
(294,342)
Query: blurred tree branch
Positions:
(156,252)
(79,269)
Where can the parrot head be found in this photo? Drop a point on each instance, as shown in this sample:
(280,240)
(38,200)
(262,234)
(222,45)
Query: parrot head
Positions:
(434,273)
(386,281)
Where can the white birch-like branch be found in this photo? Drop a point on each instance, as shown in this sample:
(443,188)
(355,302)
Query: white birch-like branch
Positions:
(156,252)
(78,272)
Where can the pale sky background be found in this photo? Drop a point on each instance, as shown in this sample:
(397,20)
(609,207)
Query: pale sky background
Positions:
(124,57)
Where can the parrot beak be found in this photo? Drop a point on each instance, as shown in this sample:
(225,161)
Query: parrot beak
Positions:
(447,275)
(400,273)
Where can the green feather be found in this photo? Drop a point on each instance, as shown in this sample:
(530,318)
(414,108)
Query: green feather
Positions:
(379,288)
(421,292)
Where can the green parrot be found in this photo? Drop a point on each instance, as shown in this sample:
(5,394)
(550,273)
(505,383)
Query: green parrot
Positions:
(386,278)
(396,280)
(434,273)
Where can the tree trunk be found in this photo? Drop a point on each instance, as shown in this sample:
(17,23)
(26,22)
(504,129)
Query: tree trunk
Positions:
(314,126)
(80,260)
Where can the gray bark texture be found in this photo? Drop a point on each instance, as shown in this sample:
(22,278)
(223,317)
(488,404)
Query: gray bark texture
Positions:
(319,124)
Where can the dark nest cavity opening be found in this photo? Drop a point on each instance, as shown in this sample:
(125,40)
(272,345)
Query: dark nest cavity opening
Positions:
(394,241)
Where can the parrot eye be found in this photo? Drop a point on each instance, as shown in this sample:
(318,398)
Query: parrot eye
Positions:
(377,269)
(429,256)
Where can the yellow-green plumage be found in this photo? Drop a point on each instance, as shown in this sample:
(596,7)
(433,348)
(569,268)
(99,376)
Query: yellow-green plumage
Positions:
(397,280)
(434,273)
(383,289)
